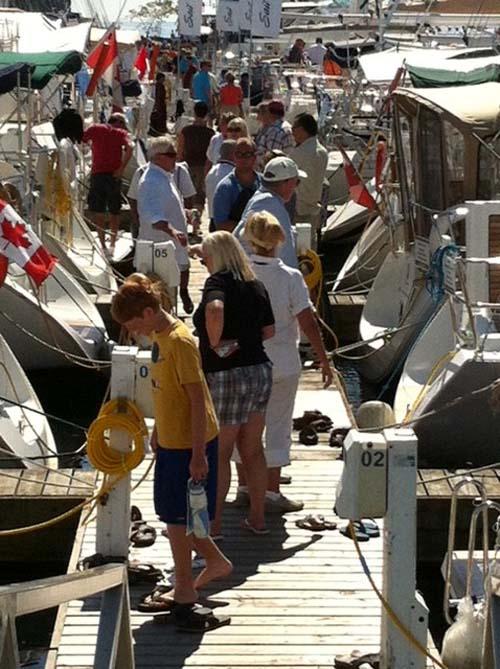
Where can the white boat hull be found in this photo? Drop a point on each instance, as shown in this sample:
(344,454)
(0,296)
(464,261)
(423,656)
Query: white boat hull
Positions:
(366,258)
(23,432)
(62,330)
(396,301)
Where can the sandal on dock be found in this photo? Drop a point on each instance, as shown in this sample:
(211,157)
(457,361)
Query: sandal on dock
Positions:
(363,530)
(135,513)
(356,660)
(141,571)
(142,535)
(309,417)
(193,618)
(315,523)
(308,436)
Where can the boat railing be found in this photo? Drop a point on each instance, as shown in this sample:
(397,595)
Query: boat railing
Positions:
(114,638)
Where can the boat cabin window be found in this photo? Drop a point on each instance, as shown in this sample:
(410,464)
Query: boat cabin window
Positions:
(454,146)
(430,168)
(406,150)
(488,187)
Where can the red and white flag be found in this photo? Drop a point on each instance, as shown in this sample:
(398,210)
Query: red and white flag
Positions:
(141,62)
(19,244)
(358,192)
(103,60)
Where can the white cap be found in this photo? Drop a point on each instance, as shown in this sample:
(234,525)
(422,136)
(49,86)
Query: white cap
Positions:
(281,169)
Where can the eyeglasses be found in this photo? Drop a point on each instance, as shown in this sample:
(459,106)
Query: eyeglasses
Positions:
(172,154)
(246,154)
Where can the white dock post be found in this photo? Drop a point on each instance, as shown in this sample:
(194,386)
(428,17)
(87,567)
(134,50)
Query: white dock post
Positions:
(400,556)
(113,516)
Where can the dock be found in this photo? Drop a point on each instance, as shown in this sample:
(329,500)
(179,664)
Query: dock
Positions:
(296,598)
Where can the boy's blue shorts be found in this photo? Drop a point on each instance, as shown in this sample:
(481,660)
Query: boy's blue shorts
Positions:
(170,482)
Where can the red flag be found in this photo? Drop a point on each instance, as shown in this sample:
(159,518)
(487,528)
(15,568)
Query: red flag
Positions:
(141,62)
(102,61)
(19,244)
(153,61)
(357,189)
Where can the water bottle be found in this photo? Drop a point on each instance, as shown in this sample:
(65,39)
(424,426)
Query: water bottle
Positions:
(198,512)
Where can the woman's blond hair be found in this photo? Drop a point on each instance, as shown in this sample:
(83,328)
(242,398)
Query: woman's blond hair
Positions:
(264,232)
(137,293)
(227,255)
(238,123)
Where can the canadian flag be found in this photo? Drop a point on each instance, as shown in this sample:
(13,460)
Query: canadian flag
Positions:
(103,60)
(358,192)
(19,244)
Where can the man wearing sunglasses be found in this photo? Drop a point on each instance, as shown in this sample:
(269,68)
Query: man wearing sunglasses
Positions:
(161,210)
(234,191)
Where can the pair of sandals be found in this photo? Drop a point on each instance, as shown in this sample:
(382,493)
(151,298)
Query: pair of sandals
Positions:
(310,424)
(364,530)
(316,523)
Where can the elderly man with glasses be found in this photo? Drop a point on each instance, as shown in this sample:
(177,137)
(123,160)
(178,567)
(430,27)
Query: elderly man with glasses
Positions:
(161,210)
(111,150)
(235,190)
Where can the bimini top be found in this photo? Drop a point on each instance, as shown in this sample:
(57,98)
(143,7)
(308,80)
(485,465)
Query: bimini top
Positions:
(474,108)
(9,76)
(46,65)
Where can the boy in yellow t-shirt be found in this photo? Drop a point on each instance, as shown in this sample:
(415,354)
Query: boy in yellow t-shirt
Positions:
(184,438)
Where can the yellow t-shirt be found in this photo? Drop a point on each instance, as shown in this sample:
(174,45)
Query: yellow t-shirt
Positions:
(175,362)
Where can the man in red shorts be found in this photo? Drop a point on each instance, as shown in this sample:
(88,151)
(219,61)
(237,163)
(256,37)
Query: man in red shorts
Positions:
(111,151)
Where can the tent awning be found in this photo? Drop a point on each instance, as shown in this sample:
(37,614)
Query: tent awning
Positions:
(46,65)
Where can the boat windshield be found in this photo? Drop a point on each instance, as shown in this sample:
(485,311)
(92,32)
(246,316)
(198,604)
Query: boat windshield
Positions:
(488,187)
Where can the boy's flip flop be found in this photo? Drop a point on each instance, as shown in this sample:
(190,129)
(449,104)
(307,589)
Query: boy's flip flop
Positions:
(155,601)
(360,534)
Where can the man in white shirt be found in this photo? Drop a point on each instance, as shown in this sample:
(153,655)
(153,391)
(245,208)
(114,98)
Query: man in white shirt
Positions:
(161,210)
(280,179)
(221,169)
(317,52)
(312,157)
(213,151)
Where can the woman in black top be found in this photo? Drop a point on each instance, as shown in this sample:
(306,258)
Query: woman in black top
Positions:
(232,321)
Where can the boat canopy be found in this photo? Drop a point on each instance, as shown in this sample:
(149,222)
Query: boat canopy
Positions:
(456,73)
(44,65)
(9,74)
(475,108)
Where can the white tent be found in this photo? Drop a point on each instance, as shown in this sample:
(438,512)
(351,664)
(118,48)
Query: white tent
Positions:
(33,32)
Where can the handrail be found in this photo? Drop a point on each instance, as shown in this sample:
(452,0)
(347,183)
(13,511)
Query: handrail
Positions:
(114,639)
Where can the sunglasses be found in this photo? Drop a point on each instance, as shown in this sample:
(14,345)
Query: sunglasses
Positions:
(246,154)
(172,154)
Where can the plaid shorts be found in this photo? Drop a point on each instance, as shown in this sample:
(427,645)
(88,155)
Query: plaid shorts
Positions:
(239,392)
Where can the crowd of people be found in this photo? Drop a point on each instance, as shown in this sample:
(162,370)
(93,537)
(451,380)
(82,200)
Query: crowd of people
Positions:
(228,393)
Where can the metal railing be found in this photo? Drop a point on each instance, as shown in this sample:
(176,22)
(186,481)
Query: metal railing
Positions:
(114,637)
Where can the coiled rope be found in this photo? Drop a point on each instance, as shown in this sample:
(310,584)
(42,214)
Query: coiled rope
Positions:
(119,414)
(122,415)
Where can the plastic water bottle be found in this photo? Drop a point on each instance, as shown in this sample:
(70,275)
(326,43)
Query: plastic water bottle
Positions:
(198,512)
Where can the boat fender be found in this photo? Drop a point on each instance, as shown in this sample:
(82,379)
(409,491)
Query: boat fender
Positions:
(463,641)
(374,414)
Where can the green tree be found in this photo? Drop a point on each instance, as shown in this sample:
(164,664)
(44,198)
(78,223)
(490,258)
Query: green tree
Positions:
(152,14)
